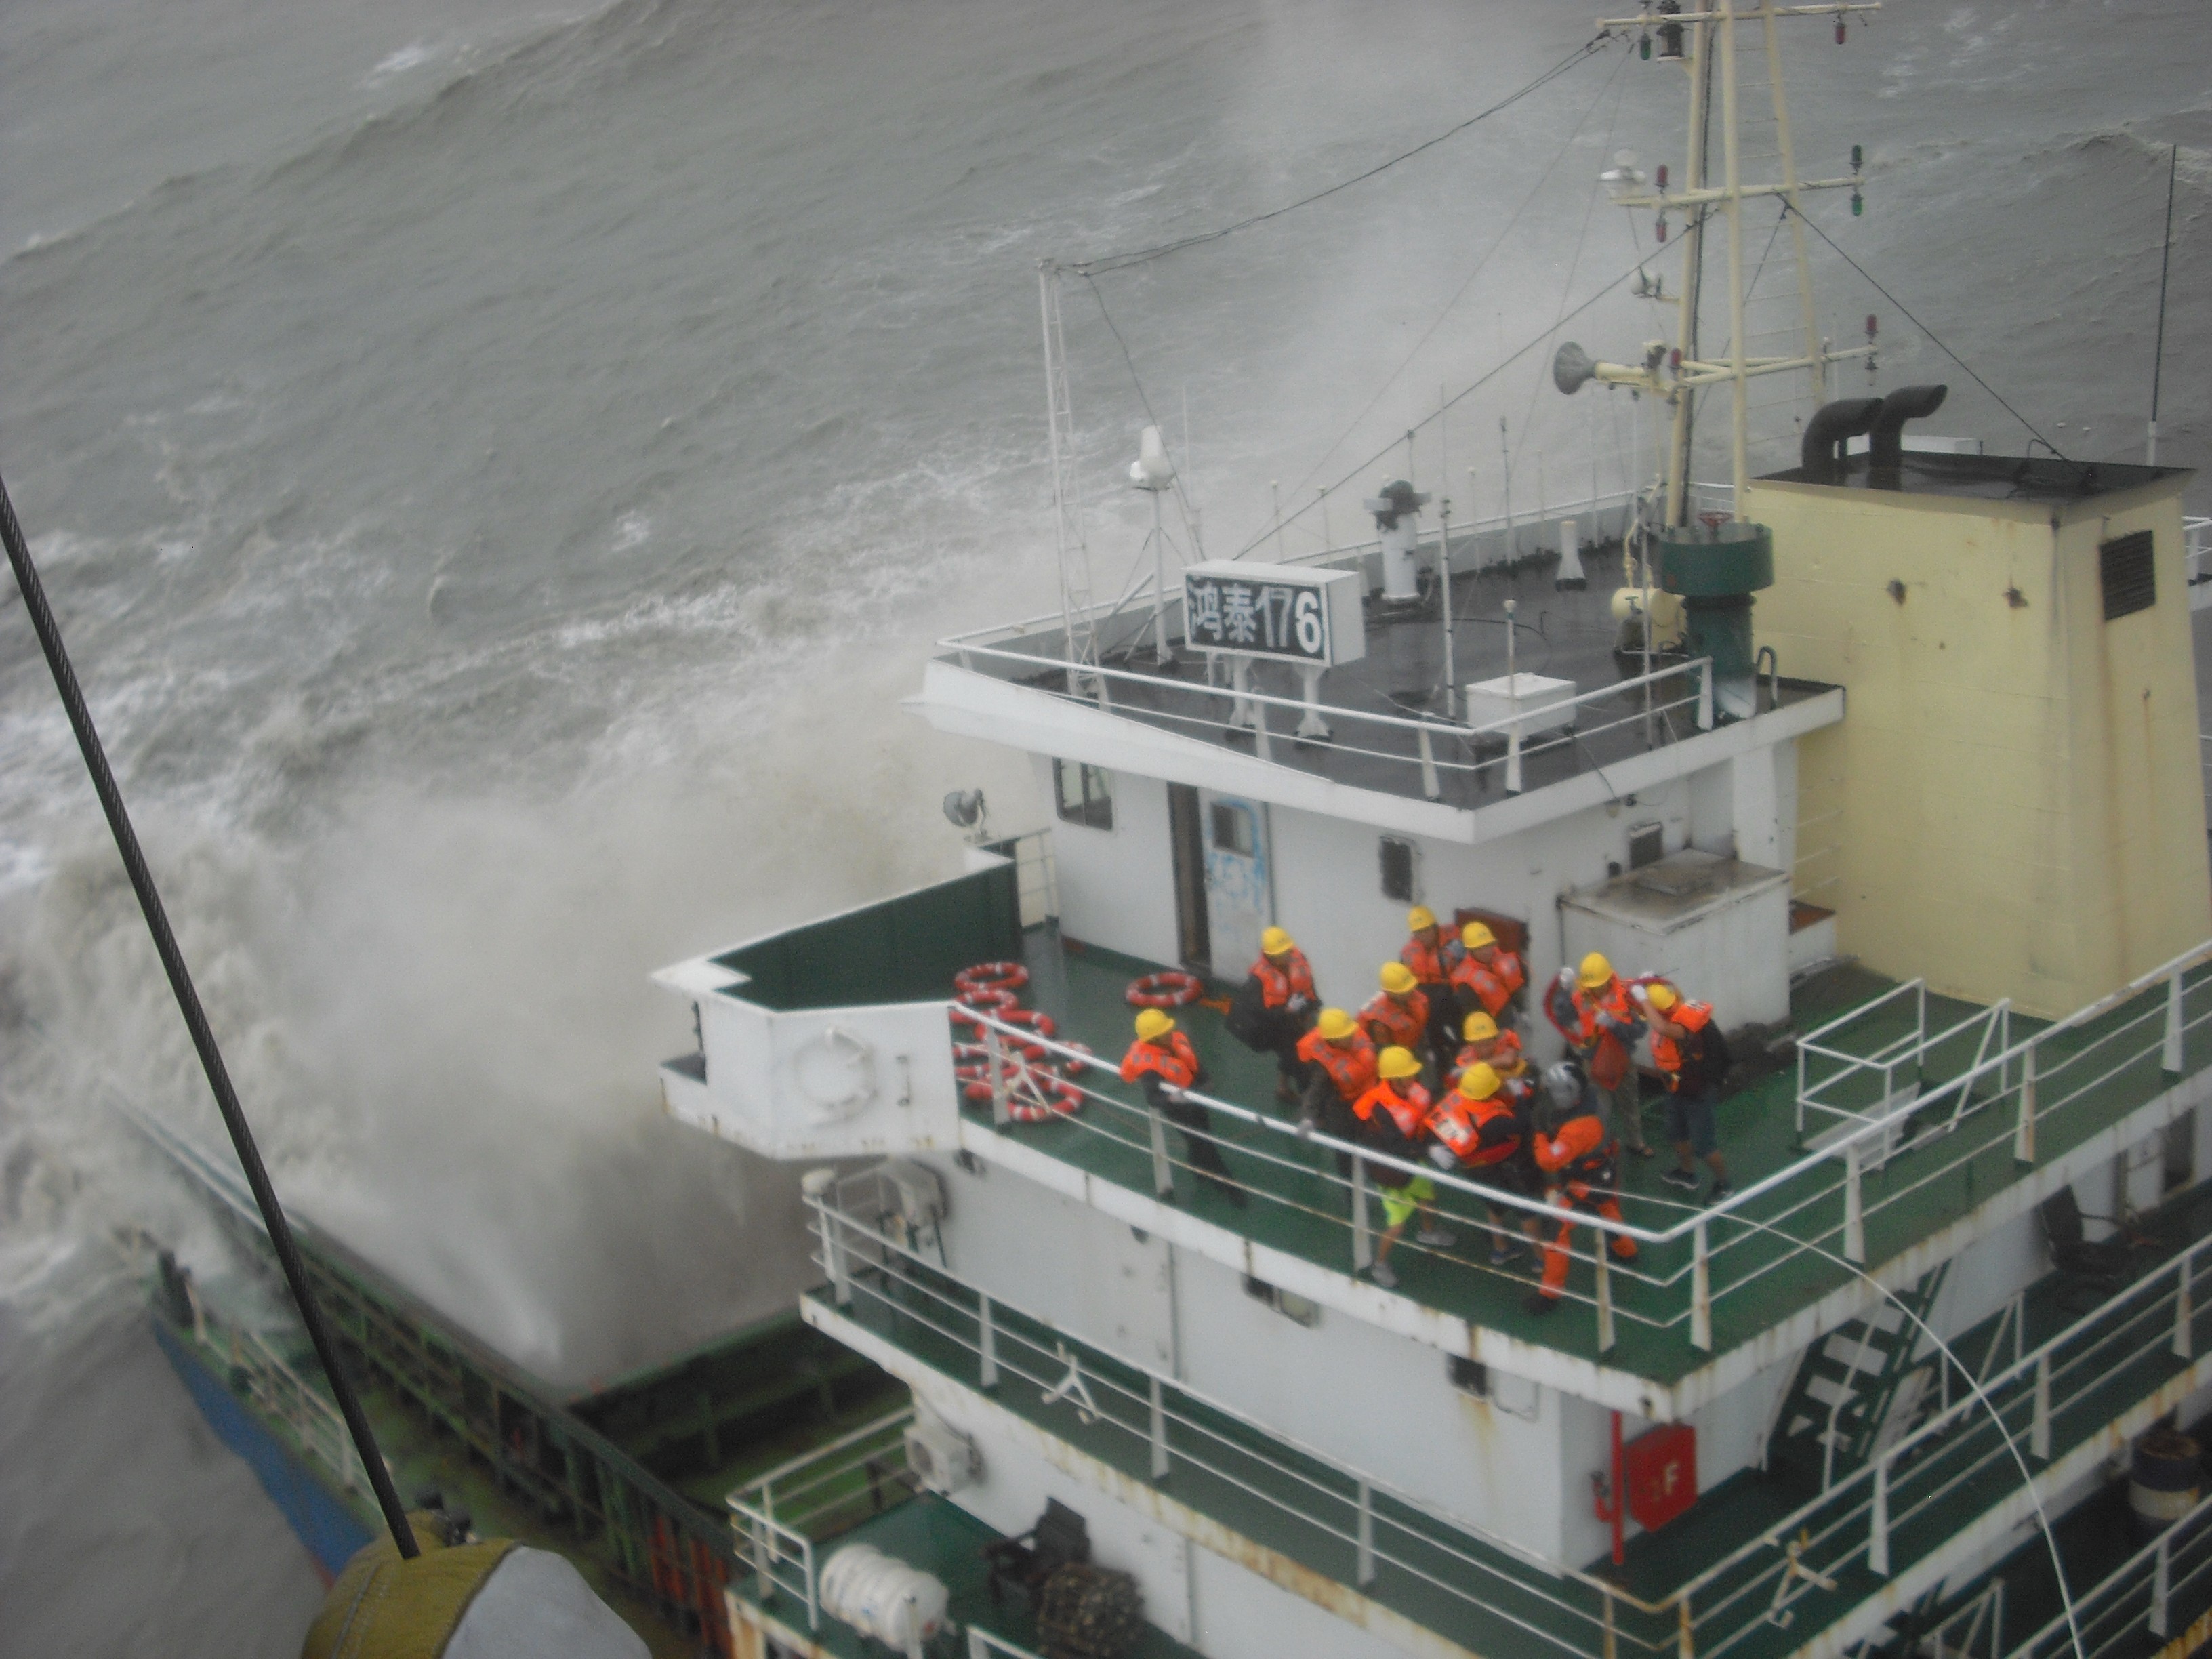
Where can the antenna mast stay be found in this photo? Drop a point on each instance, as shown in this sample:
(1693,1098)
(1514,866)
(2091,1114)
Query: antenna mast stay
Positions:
(1075,600)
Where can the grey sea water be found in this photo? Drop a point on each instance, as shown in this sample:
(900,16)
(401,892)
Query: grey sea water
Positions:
(499,465)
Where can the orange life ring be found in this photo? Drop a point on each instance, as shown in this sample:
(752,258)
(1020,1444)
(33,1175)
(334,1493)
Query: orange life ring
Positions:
(1035,1095)
(1077,1067)
(990,998)
(992,976)
(1029,1019)
(1170,987)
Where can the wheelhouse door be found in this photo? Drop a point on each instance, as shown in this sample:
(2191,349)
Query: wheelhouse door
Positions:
(1239,898)
(1187,835)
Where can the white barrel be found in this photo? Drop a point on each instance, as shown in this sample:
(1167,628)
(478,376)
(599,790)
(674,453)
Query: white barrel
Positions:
(881,1597)
(1402,566)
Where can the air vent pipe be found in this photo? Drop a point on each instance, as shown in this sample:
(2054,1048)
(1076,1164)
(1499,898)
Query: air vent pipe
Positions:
(1832,426)
(1885,445)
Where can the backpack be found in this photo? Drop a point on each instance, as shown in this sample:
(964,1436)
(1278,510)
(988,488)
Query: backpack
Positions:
(1247,1019)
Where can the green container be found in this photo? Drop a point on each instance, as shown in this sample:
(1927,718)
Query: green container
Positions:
(1722,561)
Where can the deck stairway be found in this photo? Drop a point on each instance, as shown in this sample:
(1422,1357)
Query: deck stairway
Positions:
(1858,1389)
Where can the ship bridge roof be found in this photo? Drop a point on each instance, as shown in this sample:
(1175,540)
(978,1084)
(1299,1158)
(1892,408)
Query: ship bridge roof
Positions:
(1390,731)
(2042,480)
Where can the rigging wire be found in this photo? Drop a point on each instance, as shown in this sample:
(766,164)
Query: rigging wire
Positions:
(1812,225)
(1497,242)
(1183,506)
(1457,398)
(1589,48)
(195,1022)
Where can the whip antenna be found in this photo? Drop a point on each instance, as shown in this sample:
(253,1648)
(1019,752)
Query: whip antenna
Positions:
(195,1022)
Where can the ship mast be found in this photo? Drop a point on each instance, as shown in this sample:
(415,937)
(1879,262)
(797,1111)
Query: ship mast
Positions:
(1691,38)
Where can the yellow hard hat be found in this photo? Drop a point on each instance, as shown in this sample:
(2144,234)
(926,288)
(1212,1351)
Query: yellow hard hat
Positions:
(1397,978)
(1474,936)
(1479,1027)
(1478,1082)
(1418,917)
(1153,1023)
(1662,996)
(1397,1062)
(1596,970)
(1275,941)
(1334,1026)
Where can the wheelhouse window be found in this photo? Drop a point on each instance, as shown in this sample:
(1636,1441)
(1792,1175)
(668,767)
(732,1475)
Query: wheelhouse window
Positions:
(1232,829)
(1085,794)
(1397,869)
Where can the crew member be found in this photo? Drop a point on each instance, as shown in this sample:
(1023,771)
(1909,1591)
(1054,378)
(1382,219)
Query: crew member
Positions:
(1274,1006)
(1691,1053)
(1397,1016)
(1481,1129)
(1162,1056)
(1428,957)
(1486,976)
(1340,1067)
(1579,1161)
(1486,1045)
(1394,1118)
(1593,1012)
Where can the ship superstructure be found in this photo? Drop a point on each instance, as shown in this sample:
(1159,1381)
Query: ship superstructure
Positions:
(1901,778)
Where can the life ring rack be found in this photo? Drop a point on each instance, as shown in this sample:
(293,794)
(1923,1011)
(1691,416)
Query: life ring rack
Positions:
(1170,987)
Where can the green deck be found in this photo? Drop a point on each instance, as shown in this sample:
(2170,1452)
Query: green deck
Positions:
(942,1538)
(1449,1582)
(1083,988)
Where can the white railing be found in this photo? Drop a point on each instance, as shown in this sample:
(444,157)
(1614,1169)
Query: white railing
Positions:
(780,1516)
(1853,1523)
(818,1490)
(1855,1087)
(1974,1630)
(277,1389)
(1170,1427)
(2137,1598)
(1433,742)
(1819,1205)
(1946,1460)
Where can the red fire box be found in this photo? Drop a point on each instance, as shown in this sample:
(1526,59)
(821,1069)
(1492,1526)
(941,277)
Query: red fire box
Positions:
(1661,1473)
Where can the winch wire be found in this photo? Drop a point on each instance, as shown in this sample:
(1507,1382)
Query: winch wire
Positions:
(195,1022)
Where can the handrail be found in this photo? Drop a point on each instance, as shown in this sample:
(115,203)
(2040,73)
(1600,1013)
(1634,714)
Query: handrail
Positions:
(2190,1536)
(1434,726)
(2182,1267)
(1158,1403)
(2013,1064)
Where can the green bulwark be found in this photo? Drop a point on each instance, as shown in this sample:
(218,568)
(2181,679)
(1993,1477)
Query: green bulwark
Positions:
(905,949)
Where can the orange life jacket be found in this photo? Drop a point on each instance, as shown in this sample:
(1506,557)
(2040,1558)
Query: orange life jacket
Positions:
(1427,961)
(1609,1065)
(1579,1155)
(1459,1123)
(1280,981)
(1389,1021)
(1666,1054)
(1409,1111)
(1493,984)
(1175,1060)
(1504,1058)
(1350,1064)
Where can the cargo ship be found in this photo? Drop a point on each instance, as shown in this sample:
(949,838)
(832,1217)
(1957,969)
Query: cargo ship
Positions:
(1888,757)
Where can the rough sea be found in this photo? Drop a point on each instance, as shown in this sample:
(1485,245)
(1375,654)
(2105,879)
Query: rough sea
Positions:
(499,464)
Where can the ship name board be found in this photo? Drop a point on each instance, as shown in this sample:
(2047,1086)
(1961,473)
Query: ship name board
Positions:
(1282,611)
